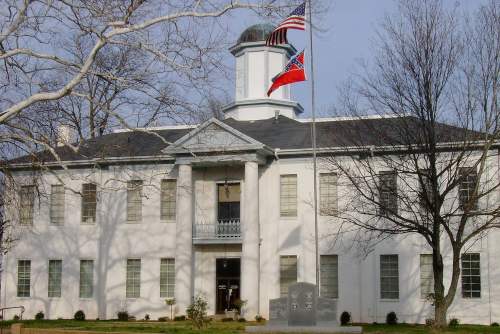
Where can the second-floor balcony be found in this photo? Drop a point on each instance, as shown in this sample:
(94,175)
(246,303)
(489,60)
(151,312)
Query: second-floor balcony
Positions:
(218,232)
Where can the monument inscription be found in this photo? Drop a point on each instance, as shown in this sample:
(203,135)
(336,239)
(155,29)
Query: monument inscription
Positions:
(302,307)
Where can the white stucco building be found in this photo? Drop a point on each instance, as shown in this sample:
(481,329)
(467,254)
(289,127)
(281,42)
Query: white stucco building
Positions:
(221,208)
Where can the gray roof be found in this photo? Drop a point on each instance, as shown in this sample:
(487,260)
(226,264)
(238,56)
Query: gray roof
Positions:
(286,134)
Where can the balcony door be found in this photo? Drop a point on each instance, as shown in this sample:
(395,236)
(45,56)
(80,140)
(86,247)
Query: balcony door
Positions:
(228,284)
(229,203)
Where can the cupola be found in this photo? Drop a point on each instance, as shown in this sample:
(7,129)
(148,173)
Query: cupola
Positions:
(256,65)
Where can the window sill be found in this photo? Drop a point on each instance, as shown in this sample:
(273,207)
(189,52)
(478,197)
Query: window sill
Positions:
(85,223)
(288,218)
(389,300)
(472,300)
(168,221)
(134,222)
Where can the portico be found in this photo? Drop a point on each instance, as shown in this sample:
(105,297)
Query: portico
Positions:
(204,157)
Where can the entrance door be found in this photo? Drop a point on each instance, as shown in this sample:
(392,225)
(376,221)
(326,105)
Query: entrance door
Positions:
(228,284)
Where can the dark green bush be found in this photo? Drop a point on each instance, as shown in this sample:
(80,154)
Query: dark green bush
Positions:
(122,315)
(242,320)
(162,319)
(146,317)
(227,319)
(392,318)
(453,322)
(40,315)
(79,315)
(180,318)
(259,318)
(494,324)
(345,318)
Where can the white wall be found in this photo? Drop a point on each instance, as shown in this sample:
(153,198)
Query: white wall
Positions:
(112,240)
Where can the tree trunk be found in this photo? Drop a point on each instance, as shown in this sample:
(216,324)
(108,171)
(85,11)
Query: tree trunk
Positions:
(440,310)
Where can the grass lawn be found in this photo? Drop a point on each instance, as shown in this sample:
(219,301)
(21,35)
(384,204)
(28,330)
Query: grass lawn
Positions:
(185,327)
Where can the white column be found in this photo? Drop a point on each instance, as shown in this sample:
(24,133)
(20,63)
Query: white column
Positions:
(250,253)
(184,240)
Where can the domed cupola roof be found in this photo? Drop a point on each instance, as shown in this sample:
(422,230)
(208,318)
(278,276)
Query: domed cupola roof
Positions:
(256,33)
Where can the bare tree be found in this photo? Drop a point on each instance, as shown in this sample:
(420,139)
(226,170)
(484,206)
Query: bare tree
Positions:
(99,65)
(426,167)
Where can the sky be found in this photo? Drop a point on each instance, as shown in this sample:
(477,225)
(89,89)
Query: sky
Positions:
(351,25)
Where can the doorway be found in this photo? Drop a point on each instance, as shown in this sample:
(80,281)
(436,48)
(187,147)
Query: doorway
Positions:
(228,284)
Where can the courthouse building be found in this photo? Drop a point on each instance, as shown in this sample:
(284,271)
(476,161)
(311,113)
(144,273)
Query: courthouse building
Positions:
(224,208)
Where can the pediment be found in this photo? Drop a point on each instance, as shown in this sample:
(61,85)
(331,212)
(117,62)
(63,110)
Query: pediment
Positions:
(213,136)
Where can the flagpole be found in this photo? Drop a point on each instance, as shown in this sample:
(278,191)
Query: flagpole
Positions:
(315,172)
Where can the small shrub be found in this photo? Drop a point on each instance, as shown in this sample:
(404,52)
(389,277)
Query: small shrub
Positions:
(494,324)
(453,321)
(170,302)
(242,320)
(16,317)
(40,315)
(197,311)
(430,321)
(162,319)
(345,318)
(122,315)
(391,318)
(146,317)
(79,315)
(259,318)
(240,303)
(180,318)
(227,319)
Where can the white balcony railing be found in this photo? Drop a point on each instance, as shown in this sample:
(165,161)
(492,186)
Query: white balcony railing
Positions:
(219,229)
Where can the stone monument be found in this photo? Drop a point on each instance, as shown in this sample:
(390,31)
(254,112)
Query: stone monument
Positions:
(303,311)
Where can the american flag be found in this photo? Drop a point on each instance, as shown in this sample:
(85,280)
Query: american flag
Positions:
(296,20)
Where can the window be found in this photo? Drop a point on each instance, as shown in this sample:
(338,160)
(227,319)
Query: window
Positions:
(389,277)
(55,278)
(89,203)
(134,200)
(328,194)
(86,278)
(426,193)
(329,265)
(288,273)
(168,199)
(426,276)
(167,278)
(471,276)
(289,195)
(133,278)
(388,188)
(26,205)
(57,204)
(23,278)
(466,187)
